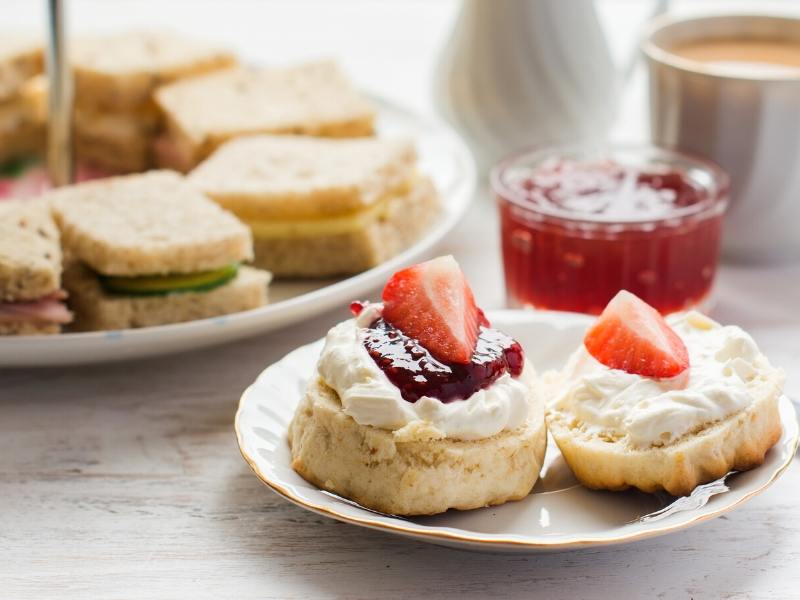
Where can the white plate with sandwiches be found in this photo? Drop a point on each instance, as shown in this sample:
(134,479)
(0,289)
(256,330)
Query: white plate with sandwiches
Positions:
(328,219)
(560,514)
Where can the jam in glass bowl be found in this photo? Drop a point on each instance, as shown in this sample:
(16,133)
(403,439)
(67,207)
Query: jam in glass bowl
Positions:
(578,224)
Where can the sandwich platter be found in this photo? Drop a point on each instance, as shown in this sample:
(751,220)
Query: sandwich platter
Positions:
(558,515)
(442,155)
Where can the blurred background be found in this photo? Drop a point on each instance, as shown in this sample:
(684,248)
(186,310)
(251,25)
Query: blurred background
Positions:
(382,44)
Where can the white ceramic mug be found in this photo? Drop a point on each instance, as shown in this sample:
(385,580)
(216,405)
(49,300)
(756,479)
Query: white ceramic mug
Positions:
(747,121)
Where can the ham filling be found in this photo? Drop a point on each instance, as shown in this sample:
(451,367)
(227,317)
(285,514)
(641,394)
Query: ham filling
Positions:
(48,309)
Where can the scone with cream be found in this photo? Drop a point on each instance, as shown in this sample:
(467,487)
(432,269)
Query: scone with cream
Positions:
(418,405)
(662,404)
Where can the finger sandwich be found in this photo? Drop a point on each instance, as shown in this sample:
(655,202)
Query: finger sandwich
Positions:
(203,113)
(20,59)
(115,118)
(321,207)
(21,106)
(31,298)
(150,250)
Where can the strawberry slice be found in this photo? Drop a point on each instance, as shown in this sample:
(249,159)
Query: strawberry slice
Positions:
(632,336)
(432,302)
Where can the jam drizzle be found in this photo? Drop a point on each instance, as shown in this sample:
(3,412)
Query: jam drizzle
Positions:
(356,306)
(416,373)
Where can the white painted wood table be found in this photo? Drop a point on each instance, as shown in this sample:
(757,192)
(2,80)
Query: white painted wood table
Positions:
(124,481)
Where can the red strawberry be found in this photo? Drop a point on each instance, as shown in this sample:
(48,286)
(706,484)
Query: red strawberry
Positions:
(632,336)
(432,303)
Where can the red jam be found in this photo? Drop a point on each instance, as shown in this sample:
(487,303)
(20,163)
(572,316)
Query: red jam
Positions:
(416,373)
(576,231)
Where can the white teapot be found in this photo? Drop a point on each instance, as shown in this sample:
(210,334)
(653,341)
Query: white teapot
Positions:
(521,72)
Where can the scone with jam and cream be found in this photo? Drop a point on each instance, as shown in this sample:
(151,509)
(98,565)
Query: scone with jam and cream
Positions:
(418,405)
(662,404)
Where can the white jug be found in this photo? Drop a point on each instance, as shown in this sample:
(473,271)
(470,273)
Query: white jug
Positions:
(522,72)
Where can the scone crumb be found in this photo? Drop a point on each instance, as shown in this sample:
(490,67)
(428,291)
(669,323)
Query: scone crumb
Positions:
(418,431)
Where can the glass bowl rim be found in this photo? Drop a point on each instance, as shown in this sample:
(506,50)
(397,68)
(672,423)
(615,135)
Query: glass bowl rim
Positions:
(715,204)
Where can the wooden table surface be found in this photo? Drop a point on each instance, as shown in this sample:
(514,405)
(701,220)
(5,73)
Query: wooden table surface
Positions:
(124,481)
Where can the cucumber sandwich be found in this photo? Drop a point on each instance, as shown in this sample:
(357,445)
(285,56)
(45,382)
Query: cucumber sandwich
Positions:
(152,250)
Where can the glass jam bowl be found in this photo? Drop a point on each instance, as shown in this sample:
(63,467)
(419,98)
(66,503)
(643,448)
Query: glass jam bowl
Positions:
(580,223)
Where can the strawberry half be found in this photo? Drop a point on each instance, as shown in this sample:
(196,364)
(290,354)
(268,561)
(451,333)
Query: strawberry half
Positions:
(632,336)
(432,302)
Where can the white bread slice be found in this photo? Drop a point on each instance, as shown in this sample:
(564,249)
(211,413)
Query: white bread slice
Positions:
(153,223)
(30,253)
(120,71)
(407,476)
(21,58)
(738,442)
(379,235)
(97,310)
(312,99)
(279,177)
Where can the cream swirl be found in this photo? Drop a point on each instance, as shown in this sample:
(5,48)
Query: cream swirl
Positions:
(370,398)
(725,368)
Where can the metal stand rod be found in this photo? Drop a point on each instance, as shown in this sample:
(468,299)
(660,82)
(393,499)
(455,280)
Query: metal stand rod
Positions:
(59,118)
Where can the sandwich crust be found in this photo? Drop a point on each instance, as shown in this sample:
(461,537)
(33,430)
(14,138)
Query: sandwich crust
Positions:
(400,221)
(393,474)
(279,177)
(97,310)
(30,253)
(738,442)
(21,58)
(121,142)
(22,122)
(126,152)
(29,328)
(153,223)
(24,140)
(119,72)
(312,99)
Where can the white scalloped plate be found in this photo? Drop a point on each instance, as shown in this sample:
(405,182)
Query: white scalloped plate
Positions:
(442,155)
(559,515)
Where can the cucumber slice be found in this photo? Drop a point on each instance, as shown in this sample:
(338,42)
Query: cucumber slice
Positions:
(16,167)
(159,285)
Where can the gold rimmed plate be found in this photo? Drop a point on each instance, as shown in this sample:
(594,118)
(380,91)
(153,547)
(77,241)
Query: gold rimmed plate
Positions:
(559,514)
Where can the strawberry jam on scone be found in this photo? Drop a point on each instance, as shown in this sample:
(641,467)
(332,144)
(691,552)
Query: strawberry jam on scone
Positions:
(659,403)
(432,340)
(419,405)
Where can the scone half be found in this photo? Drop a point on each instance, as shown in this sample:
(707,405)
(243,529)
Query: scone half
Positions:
(738,442)
(387,473)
